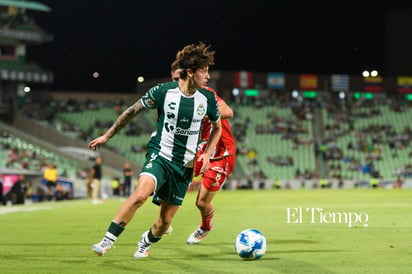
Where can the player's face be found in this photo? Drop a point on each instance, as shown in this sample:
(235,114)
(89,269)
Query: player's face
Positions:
(176,75)
(201,76)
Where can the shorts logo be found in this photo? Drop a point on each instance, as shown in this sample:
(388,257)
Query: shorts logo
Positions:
(219,169)
(178,198)
(153,157)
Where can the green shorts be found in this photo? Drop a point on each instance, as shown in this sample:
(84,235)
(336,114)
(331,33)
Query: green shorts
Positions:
(172,180)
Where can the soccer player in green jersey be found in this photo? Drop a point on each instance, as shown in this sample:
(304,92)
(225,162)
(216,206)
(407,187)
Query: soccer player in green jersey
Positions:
(222,162)
(168,169)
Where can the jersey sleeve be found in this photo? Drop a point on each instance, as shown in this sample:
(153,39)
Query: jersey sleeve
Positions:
(151,99)
(212,110)
(215,93)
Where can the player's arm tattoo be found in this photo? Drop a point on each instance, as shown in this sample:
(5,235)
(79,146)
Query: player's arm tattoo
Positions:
(125,118)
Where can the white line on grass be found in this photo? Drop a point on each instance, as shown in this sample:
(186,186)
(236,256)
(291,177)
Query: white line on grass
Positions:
(11,209)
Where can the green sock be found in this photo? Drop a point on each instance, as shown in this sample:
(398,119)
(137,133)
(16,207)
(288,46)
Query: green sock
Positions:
(115,229)
(152,238)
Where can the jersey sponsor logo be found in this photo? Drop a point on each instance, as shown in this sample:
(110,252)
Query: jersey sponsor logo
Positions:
(201,109)
(168,127)
(186,132)
(148,102)
(184,120)
(147,98)
(172,105)
(170,115)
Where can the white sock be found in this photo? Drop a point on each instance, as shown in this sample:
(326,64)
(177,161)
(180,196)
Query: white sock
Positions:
(110,236)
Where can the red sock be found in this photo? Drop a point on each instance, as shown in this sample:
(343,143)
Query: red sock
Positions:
(207,220)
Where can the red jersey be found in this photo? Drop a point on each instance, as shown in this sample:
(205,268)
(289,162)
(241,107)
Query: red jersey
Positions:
(226,145)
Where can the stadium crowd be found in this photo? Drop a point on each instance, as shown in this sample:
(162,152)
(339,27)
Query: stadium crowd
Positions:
(356,136)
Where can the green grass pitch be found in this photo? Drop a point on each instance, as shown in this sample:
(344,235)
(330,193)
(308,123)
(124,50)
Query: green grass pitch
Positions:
(56,237)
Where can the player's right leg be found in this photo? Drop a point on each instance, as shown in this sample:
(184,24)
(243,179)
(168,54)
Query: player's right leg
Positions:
(144,188)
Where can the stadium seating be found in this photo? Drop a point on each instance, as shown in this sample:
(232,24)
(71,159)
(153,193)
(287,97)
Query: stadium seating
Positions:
(271,144)
(268,133)
(391,158)
(123,143)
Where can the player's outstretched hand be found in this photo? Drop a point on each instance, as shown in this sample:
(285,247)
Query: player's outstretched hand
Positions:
(96,143)
(206,162)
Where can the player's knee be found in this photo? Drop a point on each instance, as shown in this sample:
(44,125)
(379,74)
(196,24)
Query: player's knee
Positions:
(138,199)
(200,204)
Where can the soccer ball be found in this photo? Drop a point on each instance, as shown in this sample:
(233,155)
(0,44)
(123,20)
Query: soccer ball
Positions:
(250,244)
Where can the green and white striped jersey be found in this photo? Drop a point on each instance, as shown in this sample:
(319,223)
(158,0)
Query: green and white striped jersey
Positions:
(179,120)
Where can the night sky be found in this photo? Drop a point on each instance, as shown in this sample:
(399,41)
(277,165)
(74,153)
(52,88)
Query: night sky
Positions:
(122,39)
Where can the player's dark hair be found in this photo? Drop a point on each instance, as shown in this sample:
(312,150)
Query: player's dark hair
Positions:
(174,66)
(194,57)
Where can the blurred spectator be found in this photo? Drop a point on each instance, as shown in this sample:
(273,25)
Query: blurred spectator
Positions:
(13,157)
(50,176)
(94,182)
(127,180)
(399,182)
(59,193)
(115,186)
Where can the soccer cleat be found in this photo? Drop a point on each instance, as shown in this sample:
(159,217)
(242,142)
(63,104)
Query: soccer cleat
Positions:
(102,247)
(198,235)
(143,247)
(168,231)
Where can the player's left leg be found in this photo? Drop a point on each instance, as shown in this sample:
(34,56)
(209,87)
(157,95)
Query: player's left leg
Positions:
(207,210)
(212,182)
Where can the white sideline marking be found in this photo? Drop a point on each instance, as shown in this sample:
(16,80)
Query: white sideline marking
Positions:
(11,209)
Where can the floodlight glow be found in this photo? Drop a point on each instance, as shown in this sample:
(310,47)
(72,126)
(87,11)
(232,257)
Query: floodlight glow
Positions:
(235,92)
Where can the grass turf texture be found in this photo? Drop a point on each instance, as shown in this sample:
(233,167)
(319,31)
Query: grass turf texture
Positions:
(57,237)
